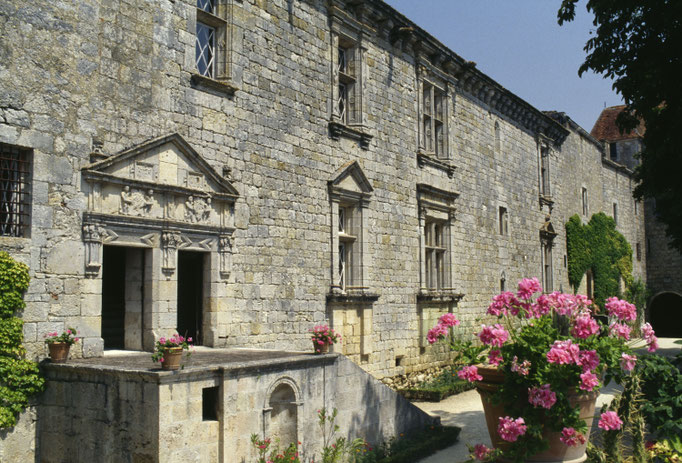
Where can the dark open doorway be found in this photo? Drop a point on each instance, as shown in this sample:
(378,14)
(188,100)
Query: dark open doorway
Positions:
(191,294)
(113,297)
(665,311)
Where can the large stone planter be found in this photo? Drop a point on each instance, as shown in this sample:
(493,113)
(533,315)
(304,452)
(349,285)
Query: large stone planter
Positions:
(558,452)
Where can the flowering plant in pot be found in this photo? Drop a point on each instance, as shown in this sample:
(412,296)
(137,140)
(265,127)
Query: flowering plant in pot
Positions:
(545,357)
(60,344)
(168,351)
(323,337)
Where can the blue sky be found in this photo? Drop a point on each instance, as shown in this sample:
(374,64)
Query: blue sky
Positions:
(519,44)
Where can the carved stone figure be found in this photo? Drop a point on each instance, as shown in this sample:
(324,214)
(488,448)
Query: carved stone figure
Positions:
(126,200)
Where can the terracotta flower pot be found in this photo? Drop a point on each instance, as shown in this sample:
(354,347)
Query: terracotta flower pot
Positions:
(320,348)
(59,351)
(558,452)
(171,358)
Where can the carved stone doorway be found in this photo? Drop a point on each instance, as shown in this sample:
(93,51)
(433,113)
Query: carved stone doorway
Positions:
(113,297)
(191,268)
(125,275)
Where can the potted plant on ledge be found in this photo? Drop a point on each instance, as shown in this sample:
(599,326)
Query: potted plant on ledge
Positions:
(323,337)
(545,362)
(60,344)
(169,351)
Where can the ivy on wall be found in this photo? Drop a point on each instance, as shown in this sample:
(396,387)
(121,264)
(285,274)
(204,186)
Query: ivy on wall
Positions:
(19,378)
(599,247)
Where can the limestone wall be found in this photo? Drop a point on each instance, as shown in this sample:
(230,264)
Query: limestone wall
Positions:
(99,412)
(103,76)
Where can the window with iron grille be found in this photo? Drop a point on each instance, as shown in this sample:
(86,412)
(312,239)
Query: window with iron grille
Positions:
(433,120)
(211,38)
(15,188)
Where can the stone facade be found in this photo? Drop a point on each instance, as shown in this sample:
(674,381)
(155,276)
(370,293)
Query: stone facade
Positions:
(336,165)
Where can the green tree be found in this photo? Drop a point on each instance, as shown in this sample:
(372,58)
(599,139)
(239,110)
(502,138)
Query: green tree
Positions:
(19,378)
(637,44)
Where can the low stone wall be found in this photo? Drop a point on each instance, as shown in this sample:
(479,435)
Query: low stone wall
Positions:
(124,409)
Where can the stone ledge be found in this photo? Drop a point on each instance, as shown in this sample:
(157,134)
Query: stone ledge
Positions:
(203,82)
(353,298)
(338,130)
(424,159)
(439,296)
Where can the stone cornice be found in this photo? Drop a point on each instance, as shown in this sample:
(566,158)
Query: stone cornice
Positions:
(404,34)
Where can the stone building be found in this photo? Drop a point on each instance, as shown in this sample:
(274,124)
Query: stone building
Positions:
(242,170)
(663,263)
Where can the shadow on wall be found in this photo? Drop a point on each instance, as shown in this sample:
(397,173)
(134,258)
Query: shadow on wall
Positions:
(665,311)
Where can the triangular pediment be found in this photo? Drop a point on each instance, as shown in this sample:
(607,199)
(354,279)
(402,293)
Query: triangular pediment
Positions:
(350,178)
(164,162)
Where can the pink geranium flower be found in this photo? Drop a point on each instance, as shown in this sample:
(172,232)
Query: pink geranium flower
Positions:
(495,357)
(584,326)
(493,335)
(588,381)
(623,310)
(528,287)
(481,452)
(521,368)
(609,421)
(541,396)
(449,319)
(563,353)
(627,362)
(510,429)
(621,330)
(470,373)
(588,359)
(571,437)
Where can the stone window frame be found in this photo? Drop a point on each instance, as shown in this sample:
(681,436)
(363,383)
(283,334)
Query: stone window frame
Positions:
(16,175)
(503,220)
(547,235)
(429,79)
(615,212)
(348,35)
(354,205)
(544,154)
(436,208)
(584,199)
(218,16)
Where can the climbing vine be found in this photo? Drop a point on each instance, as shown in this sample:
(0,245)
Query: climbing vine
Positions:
(19,378)
(599,247)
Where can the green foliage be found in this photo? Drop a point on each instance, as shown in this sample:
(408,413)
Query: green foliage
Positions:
(599,247)
(637,293)
(609,446)
(268,453)
(19,378)
(662,389)
(341,449)
(444,385)
(408,449)
(636,43)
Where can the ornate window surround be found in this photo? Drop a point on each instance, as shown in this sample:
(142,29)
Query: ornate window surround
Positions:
(348,33)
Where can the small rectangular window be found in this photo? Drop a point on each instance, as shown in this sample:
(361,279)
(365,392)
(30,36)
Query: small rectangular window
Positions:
(210,403)
(615,213)
(636,207)
(584,201)
(435,249)
(613,151)
(544,172)
(346,70)
(638,247)
(347,248)
(15,189)
(212,40)
(503,221)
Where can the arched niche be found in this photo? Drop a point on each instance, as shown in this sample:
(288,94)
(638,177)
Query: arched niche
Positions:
(665,313)
(281,412)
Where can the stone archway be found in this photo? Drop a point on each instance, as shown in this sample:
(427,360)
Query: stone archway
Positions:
(665,313)
(281,413)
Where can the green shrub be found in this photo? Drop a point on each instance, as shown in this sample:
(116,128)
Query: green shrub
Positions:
(408,449)
(20,379)
(662,390)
